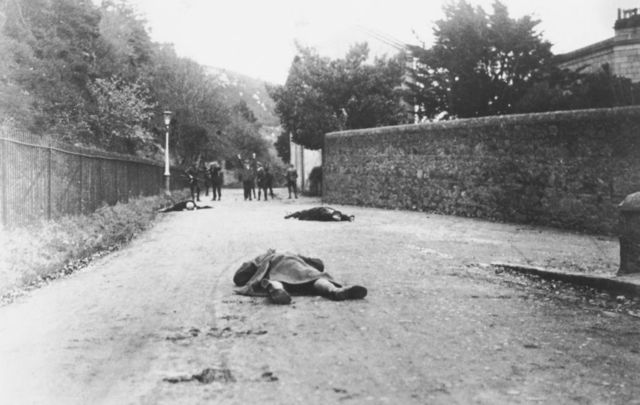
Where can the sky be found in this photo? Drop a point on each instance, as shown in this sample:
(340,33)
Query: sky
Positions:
(257,37)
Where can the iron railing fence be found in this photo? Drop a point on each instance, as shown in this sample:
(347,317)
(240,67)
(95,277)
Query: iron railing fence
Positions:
(42,179)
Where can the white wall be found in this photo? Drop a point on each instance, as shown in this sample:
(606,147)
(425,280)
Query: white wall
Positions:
(304,160)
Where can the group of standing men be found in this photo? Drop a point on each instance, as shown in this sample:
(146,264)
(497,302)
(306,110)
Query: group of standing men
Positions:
(213,177)
(251,174)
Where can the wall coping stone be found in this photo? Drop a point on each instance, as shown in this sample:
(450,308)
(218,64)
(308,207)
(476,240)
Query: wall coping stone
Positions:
(595,114)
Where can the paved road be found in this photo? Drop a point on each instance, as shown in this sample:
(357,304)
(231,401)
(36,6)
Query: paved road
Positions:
(437,327)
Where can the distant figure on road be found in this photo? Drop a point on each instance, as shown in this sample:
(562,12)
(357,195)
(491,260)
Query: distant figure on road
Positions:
(194,187)
(277,275)
(217,180)
(206,175)
(254,170)
(246,177)
(292,180)
(261,179)
(320,214)
(268,181)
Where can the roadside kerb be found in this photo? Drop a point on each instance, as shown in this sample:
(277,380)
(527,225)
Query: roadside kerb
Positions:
(613,285)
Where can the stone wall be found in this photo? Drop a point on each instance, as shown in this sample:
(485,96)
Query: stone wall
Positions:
(563,169)
(627,62)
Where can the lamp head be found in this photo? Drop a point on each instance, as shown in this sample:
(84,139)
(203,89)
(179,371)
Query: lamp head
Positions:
(167,117)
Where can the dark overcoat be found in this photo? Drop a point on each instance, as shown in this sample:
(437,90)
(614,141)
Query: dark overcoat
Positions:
(287,268)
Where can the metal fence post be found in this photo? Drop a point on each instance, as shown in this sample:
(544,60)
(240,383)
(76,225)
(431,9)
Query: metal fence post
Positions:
(115,182)
(49,182)
(3,158)
(80,185)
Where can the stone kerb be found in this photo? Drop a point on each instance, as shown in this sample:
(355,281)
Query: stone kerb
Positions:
(566,169)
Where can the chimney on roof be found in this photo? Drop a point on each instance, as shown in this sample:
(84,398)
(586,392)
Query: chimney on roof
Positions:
(627,26)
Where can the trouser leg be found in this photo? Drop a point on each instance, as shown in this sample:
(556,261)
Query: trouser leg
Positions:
(324,287)
(327,289)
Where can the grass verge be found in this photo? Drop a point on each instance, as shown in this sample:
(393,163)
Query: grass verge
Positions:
(34,255)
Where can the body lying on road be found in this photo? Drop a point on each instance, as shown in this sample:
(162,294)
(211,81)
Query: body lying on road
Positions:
(320,214)
(188,205)
(277,275)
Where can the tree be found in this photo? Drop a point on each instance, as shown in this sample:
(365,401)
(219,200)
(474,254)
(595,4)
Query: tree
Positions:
(322,95)
(483,63)
(127,48)
(90,75)
(283,147)
(241,108)
(181,85)
(121,111)
(246,139)
(56,58)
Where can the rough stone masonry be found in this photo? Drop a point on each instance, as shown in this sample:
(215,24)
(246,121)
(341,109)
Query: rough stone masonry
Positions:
(567,169)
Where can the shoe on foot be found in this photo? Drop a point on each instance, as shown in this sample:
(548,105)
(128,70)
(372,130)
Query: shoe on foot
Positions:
(279,296)
(355,292)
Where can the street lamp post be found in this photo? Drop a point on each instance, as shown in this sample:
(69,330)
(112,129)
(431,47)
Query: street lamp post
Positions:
(167,173)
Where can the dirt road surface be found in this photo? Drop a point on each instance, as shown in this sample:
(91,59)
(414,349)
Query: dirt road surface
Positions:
(437,327)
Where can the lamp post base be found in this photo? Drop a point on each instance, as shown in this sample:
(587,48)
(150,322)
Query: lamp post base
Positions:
(167,185)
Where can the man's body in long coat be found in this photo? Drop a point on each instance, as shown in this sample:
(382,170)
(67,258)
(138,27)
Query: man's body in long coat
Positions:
(278,274)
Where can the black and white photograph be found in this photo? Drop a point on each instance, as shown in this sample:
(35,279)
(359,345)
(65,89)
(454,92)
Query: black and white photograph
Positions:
(283,202)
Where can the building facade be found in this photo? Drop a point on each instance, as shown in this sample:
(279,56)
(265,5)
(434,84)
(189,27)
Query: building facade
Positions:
(620,54)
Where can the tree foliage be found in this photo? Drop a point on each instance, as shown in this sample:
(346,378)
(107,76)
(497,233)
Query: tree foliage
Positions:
(89,74)
(480,63)
(323,95)
(283,147)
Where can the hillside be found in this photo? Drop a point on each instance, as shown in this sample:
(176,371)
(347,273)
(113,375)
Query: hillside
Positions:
(253,91)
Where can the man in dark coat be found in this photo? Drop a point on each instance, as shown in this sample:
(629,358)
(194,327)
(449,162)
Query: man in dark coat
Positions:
(253,163)
(261,178)
(320,214)
(246,177)
(268,181)
(217,179)
(194,187)
(277,275)
(206,175)
(292,180)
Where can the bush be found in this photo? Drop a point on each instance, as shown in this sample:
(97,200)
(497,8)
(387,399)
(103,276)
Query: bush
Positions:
(49,249)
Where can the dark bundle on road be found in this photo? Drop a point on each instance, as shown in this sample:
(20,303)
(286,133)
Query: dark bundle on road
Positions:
(320,214)
(188,205)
